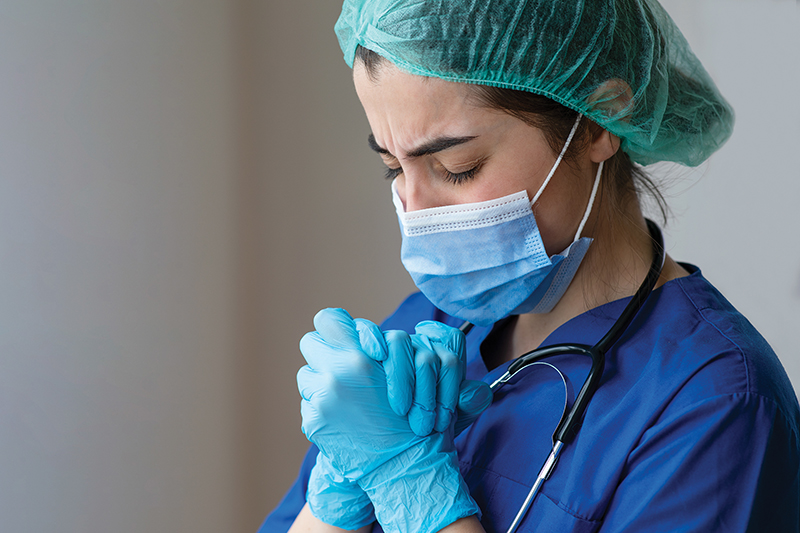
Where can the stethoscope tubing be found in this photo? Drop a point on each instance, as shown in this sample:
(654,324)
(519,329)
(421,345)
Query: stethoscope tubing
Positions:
(570,421)
(567,429)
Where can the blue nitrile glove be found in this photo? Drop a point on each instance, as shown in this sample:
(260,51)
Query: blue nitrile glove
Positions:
(413,481)
(331,497)
(425,378)
(336,500)
(340,502)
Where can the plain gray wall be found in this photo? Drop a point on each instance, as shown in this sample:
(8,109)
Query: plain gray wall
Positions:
(118,175)
(184,184)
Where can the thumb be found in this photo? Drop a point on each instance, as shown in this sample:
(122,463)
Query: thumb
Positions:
(473,398)
(371,338)
(337,328)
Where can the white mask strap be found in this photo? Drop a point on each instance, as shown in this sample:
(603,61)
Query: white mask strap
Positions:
(591,201)
(558,161)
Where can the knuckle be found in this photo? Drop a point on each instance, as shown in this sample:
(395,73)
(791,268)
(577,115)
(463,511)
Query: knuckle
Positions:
(395,338)
(331,384)
(306,340)
(426,358)
(361,367)
(449,360)
(391,334)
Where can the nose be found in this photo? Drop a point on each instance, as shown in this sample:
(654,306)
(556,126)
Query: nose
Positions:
(414,194)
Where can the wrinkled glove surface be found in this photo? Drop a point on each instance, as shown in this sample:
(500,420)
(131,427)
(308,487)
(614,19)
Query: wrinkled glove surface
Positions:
(412,481)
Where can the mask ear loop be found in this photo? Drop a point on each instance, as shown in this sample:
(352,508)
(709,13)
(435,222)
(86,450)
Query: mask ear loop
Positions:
(591,201)
(558,161)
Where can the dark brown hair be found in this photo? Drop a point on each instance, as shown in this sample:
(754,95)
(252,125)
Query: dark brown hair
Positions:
(627,180)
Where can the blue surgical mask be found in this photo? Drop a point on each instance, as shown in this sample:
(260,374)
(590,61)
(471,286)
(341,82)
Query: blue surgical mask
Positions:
(484,261)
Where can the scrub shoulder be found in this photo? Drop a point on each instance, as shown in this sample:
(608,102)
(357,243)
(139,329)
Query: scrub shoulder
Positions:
(694,410)
(691,313)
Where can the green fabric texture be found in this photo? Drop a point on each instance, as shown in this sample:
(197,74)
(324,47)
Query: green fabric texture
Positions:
(622,63)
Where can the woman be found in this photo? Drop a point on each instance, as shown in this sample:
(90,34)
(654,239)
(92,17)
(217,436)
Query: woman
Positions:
(511,132)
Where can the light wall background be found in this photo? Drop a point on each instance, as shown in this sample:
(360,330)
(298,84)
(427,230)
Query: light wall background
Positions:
(184,183)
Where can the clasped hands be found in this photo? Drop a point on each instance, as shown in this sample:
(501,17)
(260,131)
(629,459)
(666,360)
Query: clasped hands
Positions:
(384,408)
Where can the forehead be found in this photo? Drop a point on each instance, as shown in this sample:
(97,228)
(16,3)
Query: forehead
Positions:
(405,109)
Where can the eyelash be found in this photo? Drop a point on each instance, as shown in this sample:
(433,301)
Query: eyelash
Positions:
(461,177)
(392,173)
(451,177)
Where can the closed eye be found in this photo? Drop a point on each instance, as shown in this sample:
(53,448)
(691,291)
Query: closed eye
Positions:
(455,178)
(461,177)
(392,173)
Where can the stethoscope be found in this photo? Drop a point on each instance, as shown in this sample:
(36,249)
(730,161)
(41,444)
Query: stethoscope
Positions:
(570,421)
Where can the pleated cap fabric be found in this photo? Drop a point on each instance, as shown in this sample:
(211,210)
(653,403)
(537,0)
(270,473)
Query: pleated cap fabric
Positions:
(622,63)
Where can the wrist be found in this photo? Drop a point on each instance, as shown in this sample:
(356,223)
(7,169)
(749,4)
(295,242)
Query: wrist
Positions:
(336,500)
(421,489)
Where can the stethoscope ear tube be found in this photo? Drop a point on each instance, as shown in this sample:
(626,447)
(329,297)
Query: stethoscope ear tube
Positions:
(570,421)
(568,427)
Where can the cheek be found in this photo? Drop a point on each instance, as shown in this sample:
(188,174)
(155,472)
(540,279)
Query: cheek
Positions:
(559,211)
(512,174)
(420,187)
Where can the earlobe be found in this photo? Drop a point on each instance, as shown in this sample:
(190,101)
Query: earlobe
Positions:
(604,145)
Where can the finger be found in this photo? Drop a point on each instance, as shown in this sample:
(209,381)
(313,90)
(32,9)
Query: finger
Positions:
(306,382)
(311,421)
(400,371)
(450,345)
(317,389)
(338,328)
(422,415)
(421,342)
(325,356)
(473,399)
(371,339)
(450,337)
(315,350)
(448,384)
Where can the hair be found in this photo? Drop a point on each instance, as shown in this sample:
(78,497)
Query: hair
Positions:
(626,179)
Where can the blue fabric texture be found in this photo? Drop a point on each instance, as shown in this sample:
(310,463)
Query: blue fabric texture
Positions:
(694,428)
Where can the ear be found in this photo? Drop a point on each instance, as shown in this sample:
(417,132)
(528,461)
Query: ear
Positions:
(613,98)
(604,144)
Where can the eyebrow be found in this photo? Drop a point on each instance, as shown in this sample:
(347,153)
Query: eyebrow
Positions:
(431,147)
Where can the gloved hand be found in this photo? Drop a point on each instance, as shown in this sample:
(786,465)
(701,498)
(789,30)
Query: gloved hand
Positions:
(331,497)
(413,482)
(425,378)
(425,374)
(434,361)
(336,500)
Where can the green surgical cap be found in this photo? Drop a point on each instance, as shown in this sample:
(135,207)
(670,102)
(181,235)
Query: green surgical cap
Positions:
(622,63)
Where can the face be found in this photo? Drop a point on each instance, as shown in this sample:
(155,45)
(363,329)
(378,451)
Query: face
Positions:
(443,148)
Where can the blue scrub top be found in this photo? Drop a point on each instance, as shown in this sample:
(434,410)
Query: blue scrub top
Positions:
(695,426)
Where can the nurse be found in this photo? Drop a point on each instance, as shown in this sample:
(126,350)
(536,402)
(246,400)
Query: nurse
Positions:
(515,136)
